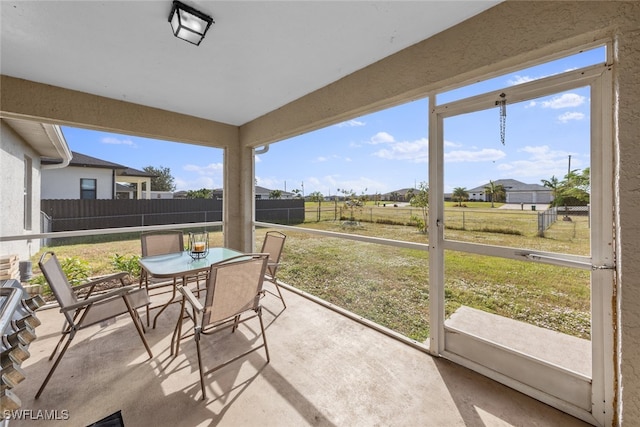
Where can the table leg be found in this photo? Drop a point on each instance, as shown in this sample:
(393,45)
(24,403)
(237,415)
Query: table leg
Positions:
(164,307)
(177,332)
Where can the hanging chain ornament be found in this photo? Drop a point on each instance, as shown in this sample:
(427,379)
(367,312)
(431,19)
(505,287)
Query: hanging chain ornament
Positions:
(503,116)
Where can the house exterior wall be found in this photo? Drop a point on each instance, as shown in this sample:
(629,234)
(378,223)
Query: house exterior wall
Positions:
(157,195)
(13,150)
(529,197)
(65,183)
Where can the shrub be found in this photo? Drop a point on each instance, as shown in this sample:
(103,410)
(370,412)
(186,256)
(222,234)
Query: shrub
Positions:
(127,263)
(419,223)
(76,270)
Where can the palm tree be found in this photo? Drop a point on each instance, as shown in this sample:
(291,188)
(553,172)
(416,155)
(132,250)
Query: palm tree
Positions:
(495,191)
(460,194)
(577,185)
(275,194)
(555,186)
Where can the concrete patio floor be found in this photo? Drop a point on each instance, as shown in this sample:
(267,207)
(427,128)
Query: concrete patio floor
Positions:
(325,370)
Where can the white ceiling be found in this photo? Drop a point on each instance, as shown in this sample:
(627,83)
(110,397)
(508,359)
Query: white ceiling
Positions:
(258,56)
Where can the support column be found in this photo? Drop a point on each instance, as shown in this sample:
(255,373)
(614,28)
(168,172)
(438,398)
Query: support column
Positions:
(238,197)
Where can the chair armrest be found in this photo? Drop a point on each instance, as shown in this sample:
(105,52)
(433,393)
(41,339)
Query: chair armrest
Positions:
(121,275)
(91,300)
(186,293)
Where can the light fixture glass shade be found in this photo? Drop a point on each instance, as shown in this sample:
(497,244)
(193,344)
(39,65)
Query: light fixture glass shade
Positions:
(188,24)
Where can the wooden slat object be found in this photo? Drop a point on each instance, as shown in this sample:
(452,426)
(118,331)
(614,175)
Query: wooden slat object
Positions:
(9,267)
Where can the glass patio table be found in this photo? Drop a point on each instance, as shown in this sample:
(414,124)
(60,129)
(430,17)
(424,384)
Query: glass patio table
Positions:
(180,265)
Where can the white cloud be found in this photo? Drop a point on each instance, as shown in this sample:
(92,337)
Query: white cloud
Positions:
(322,159)
(528,169)
(484,155)
(541,162)
(351,123)
(543,152)
(195,184)
(381,138)
(570,115)
(416,151)
(273,184)
(565,100)
(117,141)
(329,184)
(208,170)
(518,79)
(360,185)
(451,144)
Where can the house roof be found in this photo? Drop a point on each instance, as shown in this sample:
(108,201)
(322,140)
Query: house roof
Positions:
(401,192)
(83,160)
(261,190)
(136,172)
(511,185)
(80,159)
(257,56)
(46,139)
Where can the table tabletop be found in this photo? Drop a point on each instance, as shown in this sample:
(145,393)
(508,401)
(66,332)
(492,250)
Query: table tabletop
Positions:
(181,264)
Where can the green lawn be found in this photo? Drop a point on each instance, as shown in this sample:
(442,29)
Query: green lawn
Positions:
(390,285)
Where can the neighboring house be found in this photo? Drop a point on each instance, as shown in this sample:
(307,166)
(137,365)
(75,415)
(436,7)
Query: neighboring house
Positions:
(260,193)
(87,177)
(158,195)
(24,144)
(263,193)
(515,192)
(402,195)
(128,192)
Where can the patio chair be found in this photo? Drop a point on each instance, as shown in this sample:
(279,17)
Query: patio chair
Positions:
(273,245)
(161,243)
(234,287)
(90,308)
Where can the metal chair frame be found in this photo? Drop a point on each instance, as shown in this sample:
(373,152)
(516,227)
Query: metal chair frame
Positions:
(80,313)
(273,245)
(210,318)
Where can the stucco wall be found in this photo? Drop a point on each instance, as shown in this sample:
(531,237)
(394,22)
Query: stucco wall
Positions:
(627,74)
(12,153)
(64,183)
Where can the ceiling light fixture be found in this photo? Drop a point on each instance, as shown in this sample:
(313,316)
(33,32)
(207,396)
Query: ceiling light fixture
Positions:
(188,24)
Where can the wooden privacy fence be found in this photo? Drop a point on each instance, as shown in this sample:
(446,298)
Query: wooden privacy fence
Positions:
(68,215)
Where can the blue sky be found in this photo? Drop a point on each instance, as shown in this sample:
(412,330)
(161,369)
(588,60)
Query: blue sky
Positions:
(388,150)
